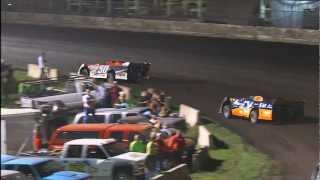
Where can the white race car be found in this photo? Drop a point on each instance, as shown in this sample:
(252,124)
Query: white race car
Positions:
(116,70)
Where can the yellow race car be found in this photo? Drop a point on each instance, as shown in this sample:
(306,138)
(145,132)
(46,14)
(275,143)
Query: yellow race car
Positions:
(258,108)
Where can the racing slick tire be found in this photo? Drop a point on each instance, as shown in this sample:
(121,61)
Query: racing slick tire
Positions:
(84,72)
(253,116)
(226,110)
(122,175)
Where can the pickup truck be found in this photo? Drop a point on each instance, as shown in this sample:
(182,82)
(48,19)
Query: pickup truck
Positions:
(42,169)
(112,115)
(121,132)
(102,158)
(67,94)
(128,115)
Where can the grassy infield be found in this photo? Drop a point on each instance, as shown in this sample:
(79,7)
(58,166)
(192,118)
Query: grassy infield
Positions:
(235,159)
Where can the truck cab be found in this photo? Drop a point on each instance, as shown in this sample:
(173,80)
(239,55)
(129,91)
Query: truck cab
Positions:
(102,158)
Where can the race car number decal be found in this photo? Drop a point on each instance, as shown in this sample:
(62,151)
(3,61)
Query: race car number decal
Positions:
(102,69)
(77,167)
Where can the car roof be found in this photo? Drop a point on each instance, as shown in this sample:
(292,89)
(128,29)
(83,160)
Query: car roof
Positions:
(27,161)
(67,175)
(5,158)
(90,142)
(118,110)
(85,127)
(130,127)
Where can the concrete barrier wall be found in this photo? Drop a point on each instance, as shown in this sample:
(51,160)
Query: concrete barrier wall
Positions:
(180,172)
(190,114)
(204,137)
(287,35)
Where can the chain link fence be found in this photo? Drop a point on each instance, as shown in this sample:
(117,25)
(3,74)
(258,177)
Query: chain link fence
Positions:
(280,13)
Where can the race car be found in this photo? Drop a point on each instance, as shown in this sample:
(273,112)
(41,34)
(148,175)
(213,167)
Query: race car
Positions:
(116,70)
(258,108)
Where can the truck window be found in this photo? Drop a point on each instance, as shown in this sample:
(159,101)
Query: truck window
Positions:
(117,135)
(132,114)
(114,149)
(95,152)
(67,136)
(74,151)
(114,118)
(93,119)
(26,170)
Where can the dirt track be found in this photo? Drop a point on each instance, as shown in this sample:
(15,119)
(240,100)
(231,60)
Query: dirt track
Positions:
(197,71)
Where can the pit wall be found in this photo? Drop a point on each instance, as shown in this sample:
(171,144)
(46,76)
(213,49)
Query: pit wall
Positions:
(285,35)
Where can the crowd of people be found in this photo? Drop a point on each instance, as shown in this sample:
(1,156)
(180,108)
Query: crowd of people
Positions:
(161,148)
(158,102)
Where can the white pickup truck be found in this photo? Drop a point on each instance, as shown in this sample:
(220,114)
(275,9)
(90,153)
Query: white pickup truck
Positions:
(70,95)
(102,159)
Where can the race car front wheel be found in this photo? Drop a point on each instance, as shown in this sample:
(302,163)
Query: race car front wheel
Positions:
(226,111)
(253,116)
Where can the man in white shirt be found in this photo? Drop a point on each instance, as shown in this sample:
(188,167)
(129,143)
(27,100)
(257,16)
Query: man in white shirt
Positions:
(88,102)
(41,64)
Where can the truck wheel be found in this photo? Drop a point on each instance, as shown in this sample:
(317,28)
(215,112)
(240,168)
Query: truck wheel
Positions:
(226,110)
(253,116)
(122,175)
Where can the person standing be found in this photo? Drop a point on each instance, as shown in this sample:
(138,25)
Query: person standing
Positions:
(41,65)
(101,95)
(137,145)
(152,162)
(114,91)
(88,102)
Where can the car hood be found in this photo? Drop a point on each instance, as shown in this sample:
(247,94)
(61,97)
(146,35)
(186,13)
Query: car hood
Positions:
(67,175)
(131,156)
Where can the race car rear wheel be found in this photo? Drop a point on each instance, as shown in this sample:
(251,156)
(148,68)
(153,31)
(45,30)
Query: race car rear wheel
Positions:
(84,72)
(226,110)
(253,116)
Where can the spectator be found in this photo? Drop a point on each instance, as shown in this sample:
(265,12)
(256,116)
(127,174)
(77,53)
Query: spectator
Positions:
(88,102)
(114,90)
(151,161)
(150,92)
(164,110)
(122,102)
(108,99)
(176,145)
(137,145)
(101,94)
(41,65)
(143,100)
(162,97)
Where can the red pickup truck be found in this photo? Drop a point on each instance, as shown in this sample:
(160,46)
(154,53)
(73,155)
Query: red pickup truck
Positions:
(121,132)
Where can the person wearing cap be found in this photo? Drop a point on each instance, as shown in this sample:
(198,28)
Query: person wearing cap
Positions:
(88,102)
(137,145)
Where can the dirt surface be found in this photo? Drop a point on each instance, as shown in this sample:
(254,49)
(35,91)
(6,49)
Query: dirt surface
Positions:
(196,71)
